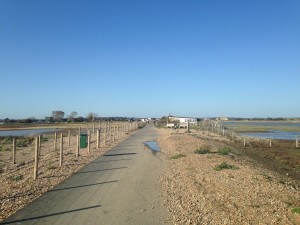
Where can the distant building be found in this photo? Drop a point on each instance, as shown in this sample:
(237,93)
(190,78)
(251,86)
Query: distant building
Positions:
(222,118)
(182,121)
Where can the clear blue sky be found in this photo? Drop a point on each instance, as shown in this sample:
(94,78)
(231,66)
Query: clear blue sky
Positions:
(149,58)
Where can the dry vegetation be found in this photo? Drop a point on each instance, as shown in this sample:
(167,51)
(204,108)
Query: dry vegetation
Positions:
(210,184)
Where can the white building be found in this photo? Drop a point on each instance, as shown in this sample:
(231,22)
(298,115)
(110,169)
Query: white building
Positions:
(182,120)
(222,118)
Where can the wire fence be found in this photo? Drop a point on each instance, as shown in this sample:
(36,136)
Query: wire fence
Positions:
(221,129)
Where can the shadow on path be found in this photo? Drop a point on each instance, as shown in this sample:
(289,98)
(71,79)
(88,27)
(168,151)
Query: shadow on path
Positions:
(87,185)
(93,171)
(49,215)
(131,153)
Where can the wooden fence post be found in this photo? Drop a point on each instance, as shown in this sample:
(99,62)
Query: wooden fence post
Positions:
(77,149)
(14,151)
(297,145)
(244,142)
(104,138)
(98,138)
(69,137)
(36,159)
(270,143)
(55,138)
(39,144)
(93,128)
(61,150)
(88,140)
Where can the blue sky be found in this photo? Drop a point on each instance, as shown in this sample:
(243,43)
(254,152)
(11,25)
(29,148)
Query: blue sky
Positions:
(150,58)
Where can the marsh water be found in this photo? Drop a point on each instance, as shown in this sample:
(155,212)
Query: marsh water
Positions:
(272,130)
(25,132)
(283,135)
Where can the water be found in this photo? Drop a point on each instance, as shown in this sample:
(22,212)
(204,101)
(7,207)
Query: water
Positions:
(265,123)
(152,145)
(275,134)
(271,133)
(26,132)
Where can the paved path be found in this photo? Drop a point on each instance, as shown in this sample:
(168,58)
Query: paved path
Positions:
(117,188)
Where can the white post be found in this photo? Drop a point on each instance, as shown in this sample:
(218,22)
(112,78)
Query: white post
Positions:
(297,145)
(270,142)
(244,142)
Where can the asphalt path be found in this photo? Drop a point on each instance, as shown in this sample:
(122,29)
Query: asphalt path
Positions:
(118,188)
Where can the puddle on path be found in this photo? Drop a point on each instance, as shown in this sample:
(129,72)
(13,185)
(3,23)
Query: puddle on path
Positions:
(152,145)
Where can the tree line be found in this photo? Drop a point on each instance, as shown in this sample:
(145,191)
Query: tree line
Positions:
(59,116)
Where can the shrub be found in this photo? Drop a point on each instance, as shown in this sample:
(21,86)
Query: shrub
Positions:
(177,156)
(201,151)
(17,178)
(224,151)
(296,210)
(24,142)
(3,148)
(224,165)
(204,149)
(51,167)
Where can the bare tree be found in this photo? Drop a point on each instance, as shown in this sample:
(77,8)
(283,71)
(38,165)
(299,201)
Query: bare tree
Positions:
(91,116)
(72,117)
(58,115)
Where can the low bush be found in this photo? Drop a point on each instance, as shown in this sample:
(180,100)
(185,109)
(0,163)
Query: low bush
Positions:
(224,165)
(296,210)
(3,148)
(202,151)
(224,151)
(17,177)
(177,156)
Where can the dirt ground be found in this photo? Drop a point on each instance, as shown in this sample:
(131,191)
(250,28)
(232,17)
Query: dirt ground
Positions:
(250,193)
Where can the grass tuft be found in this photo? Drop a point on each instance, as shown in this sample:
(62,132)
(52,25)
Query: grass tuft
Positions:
(296,210)
(51,167)
(224,151)
(177,156)
(224,165)
(204,149)
(17,178)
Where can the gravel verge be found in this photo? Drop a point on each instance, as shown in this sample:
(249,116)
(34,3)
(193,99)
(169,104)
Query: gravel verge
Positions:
(196,193)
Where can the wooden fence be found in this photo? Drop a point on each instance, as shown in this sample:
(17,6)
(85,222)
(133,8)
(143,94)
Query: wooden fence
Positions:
(99,133)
